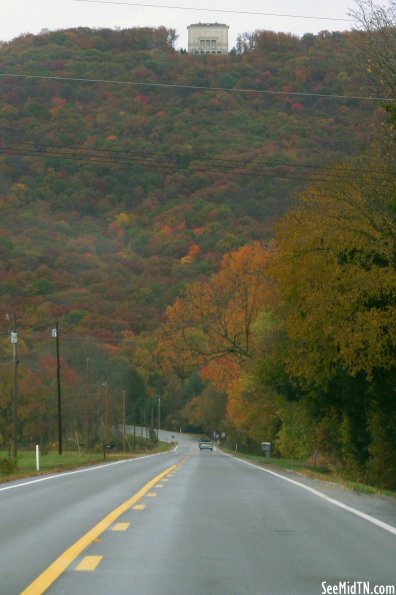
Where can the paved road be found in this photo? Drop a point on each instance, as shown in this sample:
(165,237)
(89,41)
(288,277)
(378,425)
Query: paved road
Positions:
(205,524)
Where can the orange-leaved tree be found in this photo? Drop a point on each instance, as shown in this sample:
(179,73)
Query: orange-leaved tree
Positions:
(210,325)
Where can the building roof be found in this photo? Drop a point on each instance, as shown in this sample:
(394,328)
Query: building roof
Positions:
(208,25)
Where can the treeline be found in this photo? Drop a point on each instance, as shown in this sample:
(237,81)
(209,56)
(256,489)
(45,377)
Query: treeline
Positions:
(99,388)
(298,340)
(84,38)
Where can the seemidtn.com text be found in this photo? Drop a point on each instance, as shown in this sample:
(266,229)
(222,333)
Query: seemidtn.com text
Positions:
(357,588)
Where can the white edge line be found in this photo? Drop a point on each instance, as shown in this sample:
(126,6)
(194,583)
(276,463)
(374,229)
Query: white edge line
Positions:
(354,511)
(85,470)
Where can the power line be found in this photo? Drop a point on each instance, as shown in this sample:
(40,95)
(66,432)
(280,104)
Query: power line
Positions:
(239,168)
(177,159)
(143,162)
(194,8)
(196,87)
(153,163)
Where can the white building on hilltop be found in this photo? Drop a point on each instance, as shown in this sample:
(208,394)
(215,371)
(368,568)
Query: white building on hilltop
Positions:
(208,38)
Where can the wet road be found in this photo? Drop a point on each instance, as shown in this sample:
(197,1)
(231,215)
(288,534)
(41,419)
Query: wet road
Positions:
(191,522)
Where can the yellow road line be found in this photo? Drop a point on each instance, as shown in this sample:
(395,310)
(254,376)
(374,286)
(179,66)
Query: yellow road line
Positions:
(183,461)
(139,507)
(89,563)
(121,526)
(151,495)
(49,576)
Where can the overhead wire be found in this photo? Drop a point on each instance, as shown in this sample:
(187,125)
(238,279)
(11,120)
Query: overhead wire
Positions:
(218,10)
(239,170)
(197,87)
(144,162)
(177,158)
(151,159)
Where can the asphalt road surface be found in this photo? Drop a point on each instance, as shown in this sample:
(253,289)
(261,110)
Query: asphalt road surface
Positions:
(191,523)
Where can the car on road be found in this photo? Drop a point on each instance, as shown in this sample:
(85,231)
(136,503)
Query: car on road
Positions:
(205,444)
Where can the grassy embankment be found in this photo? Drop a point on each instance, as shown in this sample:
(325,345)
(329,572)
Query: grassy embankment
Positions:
(53,462)
(314,471)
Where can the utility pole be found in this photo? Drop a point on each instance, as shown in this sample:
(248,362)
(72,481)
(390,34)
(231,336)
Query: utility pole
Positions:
(123,421)
(159,416)
(14,341)
(106,411)
(87,404)
(55,333)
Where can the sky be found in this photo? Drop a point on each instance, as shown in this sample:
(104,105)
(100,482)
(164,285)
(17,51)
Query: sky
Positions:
(32,16)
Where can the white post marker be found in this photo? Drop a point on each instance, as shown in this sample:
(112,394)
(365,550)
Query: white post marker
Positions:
(37,457)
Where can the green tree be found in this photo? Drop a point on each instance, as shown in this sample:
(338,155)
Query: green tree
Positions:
(336,275)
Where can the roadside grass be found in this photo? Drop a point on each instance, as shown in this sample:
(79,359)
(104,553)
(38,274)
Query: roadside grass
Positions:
(314,471)
(53,462)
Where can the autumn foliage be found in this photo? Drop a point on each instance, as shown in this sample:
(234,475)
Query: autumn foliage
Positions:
(143,220)
(335,267)
(336,281)
(302,339)
(210,325)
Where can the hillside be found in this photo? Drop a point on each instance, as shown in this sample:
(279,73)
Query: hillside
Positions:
(181,175)
(115,193)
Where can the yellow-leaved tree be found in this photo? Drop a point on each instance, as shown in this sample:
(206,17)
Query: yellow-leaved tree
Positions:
(336,273)
(335,269)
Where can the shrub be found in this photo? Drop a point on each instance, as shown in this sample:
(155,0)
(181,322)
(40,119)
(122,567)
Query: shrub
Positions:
(8,466)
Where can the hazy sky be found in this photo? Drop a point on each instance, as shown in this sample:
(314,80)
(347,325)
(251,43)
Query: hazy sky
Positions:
(30,16)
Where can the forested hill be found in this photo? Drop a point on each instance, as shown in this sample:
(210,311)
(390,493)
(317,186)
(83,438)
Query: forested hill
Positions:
(114,193)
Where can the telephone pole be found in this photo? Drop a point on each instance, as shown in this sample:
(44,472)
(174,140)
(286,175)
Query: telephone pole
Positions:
(55,333)
(87,404)
(123,420)
(106,410)
(14,341)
